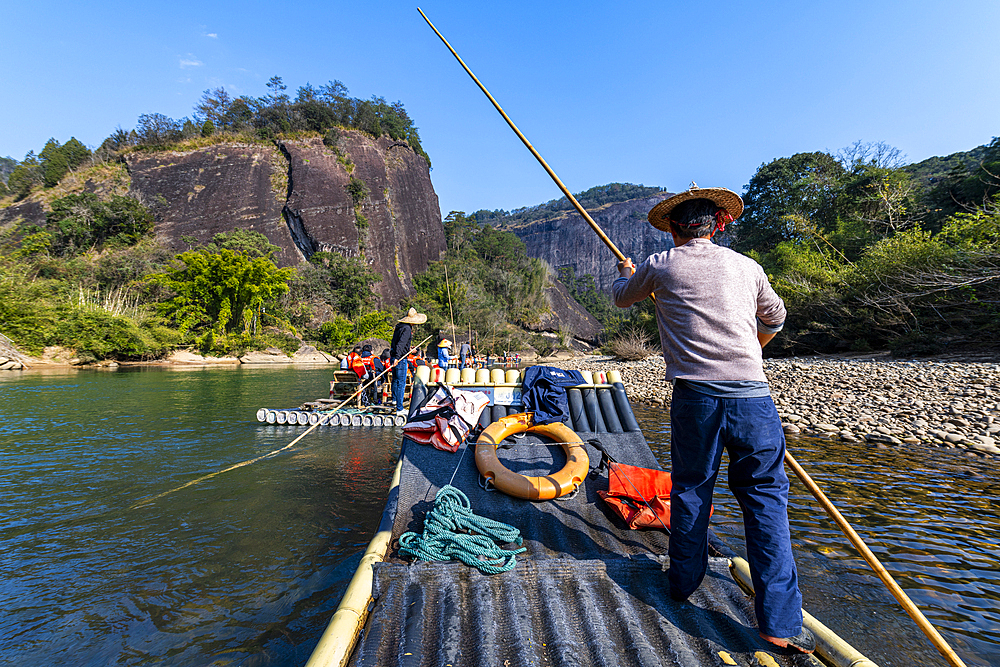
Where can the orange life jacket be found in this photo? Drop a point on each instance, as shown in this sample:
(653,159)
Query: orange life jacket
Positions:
(369,363)
(355,364)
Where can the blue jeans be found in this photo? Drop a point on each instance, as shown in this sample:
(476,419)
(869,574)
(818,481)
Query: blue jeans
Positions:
(399,383)
(749,429)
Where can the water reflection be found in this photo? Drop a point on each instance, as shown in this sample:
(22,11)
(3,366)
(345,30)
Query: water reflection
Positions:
(246,568)
(242,568)
(930,515)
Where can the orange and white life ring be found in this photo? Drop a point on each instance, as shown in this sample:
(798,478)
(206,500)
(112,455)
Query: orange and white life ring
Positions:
(532,488)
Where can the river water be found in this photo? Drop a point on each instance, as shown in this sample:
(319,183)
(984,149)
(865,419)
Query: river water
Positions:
(107,560)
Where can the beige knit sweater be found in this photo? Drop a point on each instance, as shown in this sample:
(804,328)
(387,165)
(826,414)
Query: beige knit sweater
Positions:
(710,302)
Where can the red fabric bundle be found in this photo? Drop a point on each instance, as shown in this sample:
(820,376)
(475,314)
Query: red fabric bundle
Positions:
(421,435)
(639,495)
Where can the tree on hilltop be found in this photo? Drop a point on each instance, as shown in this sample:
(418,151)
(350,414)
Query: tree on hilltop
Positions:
(802,185)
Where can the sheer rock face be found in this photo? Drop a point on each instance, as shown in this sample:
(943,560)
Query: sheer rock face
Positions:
(22,214)
(296,195)
(567,240)
(204,192)
(404,231)
(567,315)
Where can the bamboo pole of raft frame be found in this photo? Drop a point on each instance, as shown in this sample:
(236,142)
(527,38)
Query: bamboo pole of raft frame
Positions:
(915,613)
(338,640)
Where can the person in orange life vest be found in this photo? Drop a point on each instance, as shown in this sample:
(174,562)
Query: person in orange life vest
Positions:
(417,358)
(358,365)
(352,357)
(370,366)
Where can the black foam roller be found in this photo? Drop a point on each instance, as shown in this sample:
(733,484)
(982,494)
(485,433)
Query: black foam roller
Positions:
(418,393)
(593,411)
(485,417)
(625,414)
(608,409)
(513,410)
(498,412)
(577,415)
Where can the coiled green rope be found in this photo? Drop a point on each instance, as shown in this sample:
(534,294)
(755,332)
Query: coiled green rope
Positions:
(442,539)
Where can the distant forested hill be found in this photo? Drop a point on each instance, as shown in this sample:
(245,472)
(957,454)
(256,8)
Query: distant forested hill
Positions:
(934,169)
(612,193)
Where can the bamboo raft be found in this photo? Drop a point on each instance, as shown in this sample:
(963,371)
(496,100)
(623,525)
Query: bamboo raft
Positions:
(588,592)
(504,384)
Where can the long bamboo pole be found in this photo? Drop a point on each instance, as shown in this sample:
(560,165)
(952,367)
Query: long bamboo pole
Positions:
(939,642)
(450,309)
(914,612)
(579,208)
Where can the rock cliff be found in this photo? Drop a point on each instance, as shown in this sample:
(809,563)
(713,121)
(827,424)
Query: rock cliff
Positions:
(404,231)
(565,239)
(566,315)
(295,193)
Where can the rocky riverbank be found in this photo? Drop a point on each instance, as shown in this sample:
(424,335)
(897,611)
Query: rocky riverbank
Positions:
(943,403)
(55,357)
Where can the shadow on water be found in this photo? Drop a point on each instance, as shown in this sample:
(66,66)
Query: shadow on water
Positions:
(932,516)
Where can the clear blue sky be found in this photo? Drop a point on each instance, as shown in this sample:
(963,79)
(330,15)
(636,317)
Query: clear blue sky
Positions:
(658,93)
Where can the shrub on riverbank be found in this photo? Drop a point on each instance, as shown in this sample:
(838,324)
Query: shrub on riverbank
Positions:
(485,281)
(914,292)
(140,301)
(38,313)
(632,344)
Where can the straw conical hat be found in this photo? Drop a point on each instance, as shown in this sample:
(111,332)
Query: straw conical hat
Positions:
(444,343)
(413,317)
(659,217)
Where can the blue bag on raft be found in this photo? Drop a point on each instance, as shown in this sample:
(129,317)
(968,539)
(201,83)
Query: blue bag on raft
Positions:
(544,393)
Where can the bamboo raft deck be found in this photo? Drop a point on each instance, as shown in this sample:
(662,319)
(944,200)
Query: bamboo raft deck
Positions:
(588,591)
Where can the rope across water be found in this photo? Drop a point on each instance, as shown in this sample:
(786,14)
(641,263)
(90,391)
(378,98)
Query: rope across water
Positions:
(453,531)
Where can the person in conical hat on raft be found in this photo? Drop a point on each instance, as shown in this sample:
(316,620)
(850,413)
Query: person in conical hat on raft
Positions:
(444,356)
(399,349)
(715,311)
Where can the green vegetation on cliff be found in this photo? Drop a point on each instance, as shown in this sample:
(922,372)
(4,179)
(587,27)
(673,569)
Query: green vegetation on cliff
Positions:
(46,169)
(219,117)
(315,110)
(487,281)
(866,256)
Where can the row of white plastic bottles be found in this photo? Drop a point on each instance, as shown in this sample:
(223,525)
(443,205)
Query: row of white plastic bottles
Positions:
(495,376)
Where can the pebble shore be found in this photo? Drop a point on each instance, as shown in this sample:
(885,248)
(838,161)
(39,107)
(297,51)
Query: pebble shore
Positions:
(887,403)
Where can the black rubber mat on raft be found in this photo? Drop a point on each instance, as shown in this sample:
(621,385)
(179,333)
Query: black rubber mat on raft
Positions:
(588,591)
(578,527)
(614,612)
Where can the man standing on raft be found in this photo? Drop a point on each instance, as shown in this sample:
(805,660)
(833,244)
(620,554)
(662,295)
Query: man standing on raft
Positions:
(715,311)
(399,350)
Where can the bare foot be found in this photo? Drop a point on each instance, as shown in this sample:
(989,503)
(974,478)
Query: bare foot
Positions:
(804,642)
